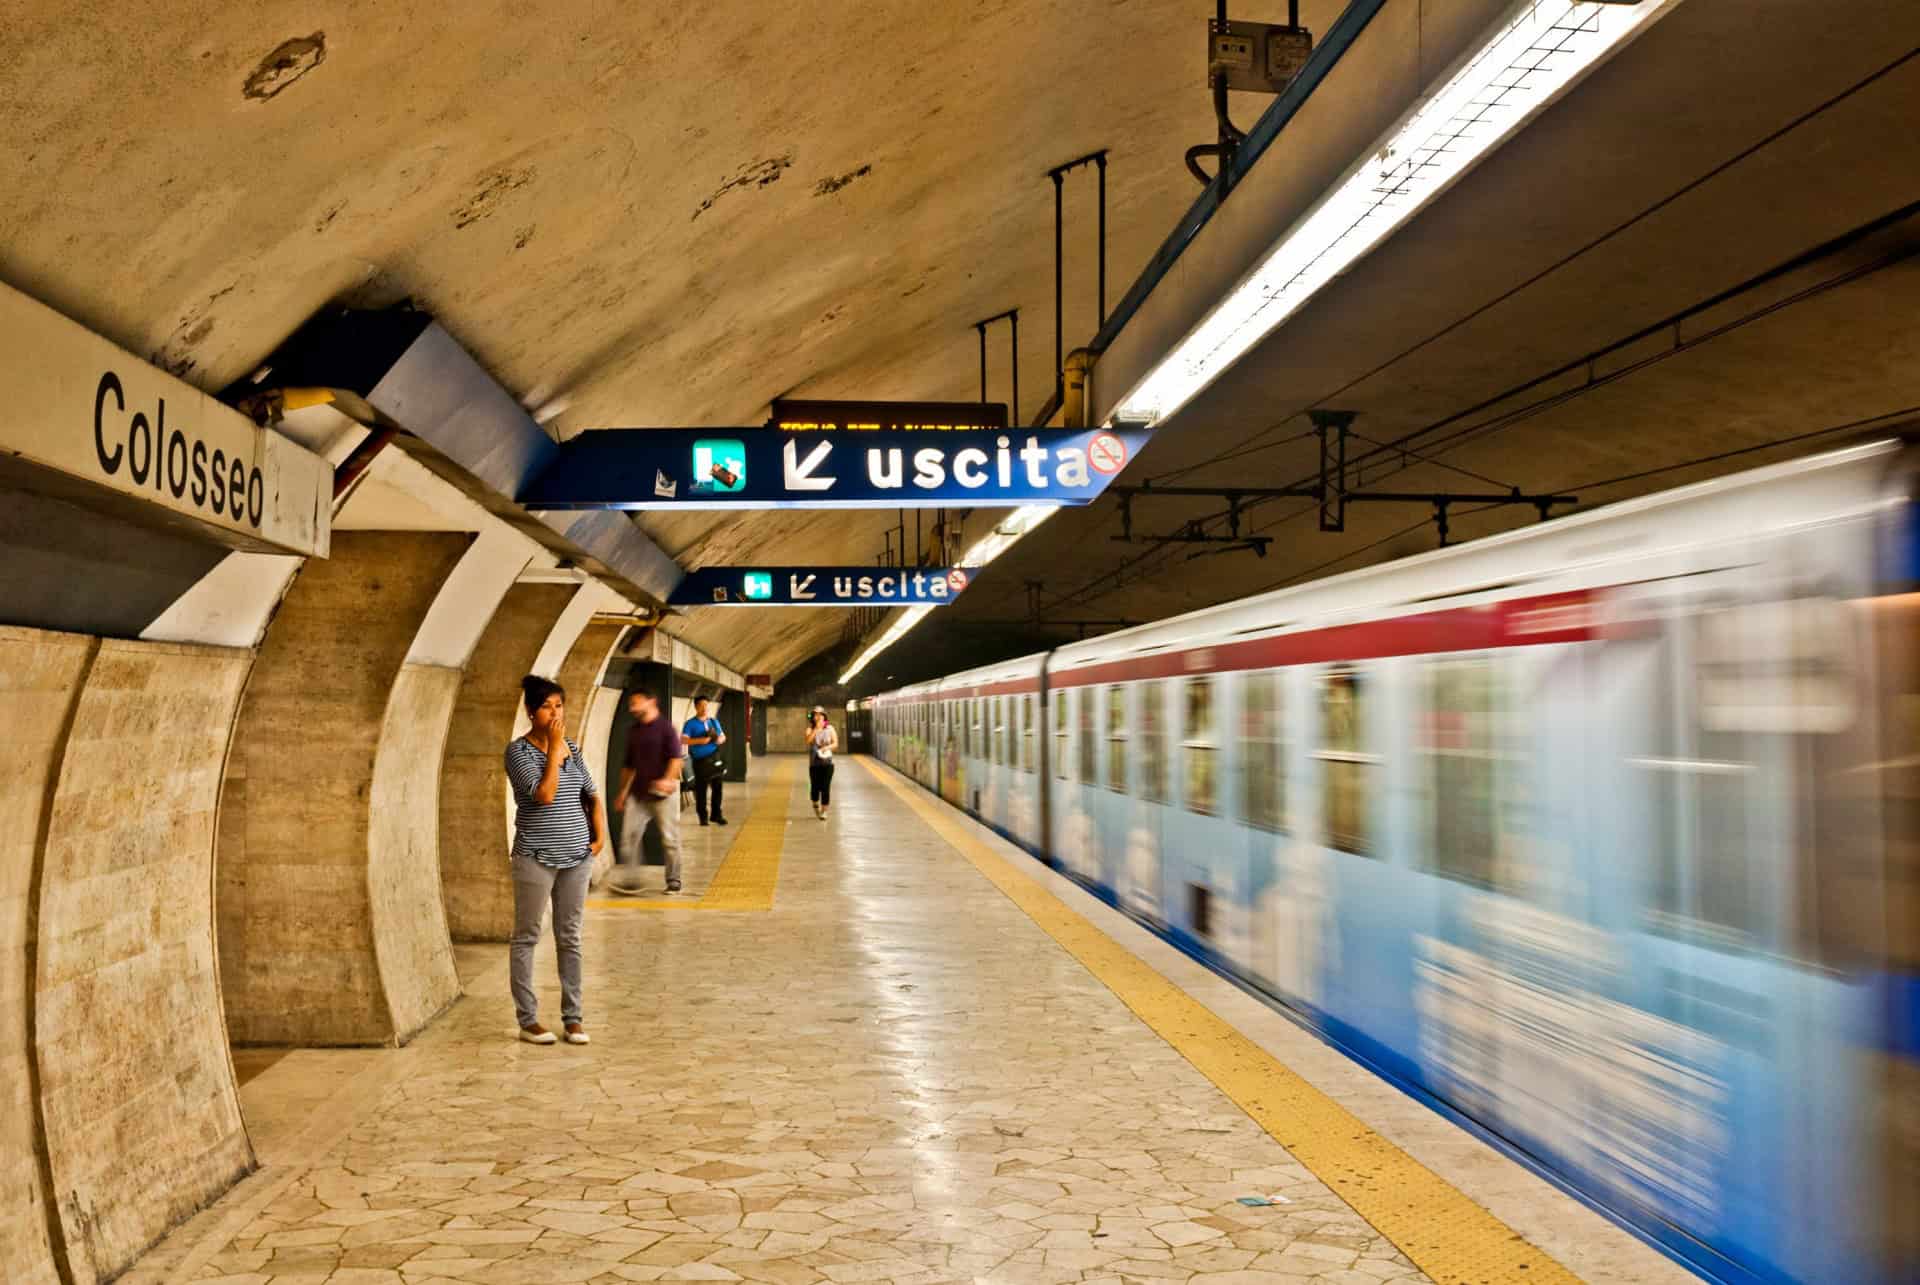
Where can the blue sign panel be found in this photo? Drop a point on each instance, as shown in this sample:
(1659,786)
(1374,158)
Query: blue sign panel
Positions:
(819,587)
(749,468)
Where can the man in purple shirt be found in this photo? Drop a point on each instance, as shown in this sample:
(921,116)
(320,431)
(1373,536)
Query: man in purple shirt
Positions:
(653,762)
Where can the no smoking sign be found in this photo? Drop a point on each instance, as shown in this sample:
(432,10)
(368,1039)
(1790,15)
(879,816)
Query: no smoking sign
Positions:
(1107,454)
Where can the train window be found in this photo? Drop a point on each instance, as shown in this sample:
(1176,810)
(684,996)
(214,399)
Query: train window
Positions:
(1201,746)
(1088,754)
(1117,738)
(1062,764)
(1263,760)
(1700,783)
(1463,740)
(1346,766)
(1026,733)
(1153,740)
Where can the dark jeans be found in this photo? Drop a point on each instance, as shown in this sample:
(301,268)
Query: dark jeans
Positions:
(820,782)
(709,774)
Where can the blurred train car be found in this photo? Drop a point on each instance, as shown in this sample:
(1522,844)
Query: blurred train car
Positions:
(1600,836)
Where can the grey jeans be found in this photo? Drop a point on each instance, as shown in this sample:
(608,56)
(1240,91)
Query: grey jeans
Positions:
(664,813)
(535,887)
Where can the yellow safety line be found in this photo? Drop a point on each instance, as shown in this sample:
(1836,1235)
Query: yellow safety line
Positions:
(747,877)
(1447,1235)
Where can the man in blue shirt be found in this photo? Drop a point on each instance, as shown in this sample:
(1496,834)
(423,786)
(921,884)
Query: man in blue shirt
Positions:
(703,739)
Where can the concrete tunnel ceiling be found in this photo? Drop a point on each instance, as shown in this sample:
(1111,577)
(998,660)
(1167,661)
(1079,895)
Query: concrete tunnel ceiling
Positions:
(667,219)
(676,218)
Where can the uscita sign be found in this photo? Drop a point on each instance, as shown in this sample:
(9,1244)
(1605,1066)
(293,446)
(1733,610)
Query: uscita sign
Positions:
(831,468)
(819,587)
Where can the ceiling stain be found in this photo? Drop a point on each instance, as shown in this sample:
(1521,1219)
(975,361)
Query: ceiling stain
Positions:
(495,188)
(757,174)
(828,186)
(286,64)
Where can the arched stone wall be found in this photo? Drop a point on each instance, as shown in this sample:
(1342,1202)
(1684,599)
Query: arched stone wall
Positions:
(332,928)
(475,877)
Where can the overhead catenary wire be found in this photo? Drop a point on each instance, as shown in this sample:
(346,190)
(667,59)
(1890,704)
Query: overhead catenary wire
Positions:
(1482,428)
(1611,233)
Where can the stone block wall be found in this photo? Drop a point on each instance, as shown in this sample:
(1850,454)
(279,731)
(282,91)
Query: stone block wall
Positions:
(118,1092)
(40,679)
(308,938)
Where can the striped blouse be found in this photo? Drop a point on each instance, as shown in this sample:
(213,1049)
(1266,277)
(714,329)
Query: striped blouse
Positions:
(555,834)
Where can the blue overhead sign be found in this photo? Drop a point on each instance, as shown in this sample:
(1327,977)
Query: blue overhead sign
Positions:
(819,587)
(831,468)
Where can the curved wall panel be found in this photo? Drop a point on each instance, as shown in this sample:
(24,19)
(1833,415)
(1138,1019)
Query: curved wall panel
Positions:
(580,674)
(301,930)
(475,876)
(141,1115)
(410,939)
(40,676)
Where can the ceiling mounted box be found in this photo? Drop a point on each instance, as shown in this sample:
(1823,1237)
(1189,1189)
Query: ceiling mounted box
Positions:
(1258,57)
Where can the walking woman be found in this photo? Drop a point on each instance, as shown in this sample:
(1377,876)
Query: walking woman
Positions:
(821,739)
(559,828)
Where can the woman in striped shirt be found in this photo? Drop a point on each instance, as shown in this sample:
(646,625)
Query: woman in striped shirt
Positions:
(559,826)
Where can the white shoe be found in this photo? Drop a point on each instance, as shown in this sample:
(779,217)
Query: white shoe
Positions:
(576,1034)
(538,1034)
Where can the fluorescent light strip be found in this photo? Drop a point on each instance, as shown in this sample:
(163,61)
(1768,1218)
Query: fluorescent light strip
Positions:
(984,550)
(1540,50)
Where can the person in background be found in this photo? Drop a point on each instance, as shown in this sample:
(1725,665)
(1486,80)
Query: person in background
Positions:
(821,739)
(703,738)
(653,762)
(559,826)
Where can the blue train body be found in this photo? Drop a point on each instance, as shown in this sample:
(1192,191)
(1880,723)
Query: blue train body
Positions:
(1597,837)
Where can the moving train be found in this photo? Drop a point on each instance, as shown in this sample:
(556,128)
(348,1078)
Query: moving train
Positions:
(1598,836)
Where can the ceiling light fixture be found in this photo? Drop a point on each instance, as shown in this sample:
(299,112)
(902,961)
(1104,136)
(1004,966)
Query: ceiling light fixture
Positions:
(1538,51)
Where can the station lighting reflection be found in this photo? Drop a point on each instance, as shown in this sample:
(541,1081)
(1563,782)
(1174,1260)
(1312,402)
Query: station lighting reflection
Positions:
(984,550)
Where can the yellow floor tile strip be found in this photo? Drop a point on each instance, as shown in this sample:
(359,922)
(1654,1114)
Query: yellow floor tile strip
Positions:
(1448,1236)
(748,876)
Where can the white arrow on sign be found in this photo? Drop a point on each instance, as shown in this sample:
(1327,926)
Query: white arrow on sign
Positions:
(802,586)
(800,474)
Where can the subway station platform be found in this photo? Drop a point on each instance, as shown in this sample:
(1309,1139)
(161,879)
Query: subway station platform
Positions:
(886,1047)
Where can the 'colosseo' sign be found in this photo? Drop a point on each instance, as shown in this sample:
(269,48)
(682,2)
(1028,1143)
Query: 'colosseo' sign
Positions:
(104,421)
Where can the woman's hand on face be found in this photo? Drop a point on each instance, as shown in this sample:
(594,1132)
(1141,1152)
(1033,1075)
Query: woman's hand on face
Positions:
(557,736)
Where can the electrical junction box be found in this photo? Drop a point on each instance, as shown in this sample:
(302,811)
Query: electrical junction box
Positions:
(1258,57)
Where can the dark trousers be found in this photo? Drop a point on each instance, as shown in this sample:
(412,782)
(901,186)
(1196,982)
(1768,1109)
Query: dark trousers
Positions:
(820,782)
(709,775)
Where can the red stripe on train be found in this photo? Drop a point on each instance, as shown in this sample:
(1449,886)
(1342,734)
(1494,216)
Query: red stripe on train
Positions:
(1520,622)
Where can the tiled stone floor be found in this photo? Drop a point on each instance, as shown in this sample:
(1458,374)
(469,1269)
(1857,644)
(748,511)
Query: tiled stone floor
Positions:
(893,1076)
